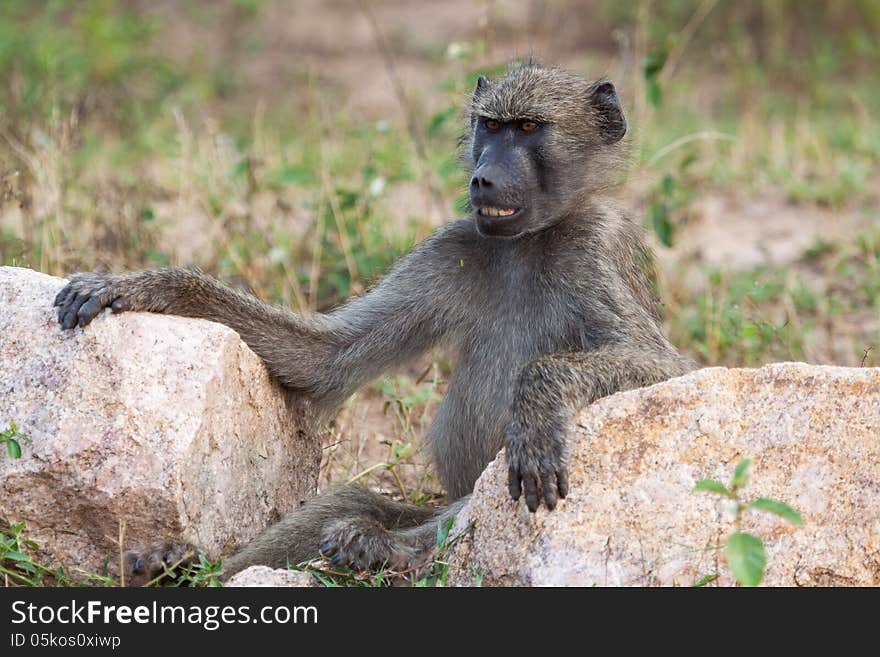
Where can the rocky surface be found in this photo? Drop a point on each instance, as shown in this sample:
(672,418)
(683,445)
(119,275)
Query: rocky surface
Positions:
(813,434)
(263,576)
(168,427)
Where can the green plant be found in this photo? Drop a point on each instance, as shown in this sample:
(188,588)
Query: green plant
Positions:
(92,59)
(744,551)
(13,439)
(671,195)
(17,565)
(651,68)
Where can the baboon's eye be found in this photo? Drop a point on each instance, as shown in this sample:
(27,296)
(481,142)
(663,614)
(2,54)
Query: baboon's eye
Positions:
(492,124)
(528,126)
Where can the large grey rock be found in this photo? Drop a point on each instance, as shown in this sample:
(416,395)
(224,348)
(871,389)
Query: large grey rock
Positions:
(171,426)
(813,434)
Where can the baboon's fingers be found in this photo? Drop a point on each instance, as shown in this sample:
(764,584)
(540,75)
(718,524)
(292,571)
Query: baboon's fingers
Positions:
(89,310)
(120,304)
(530,485)
(63,312)
(62,295)
(513,482)
(548,488)
(562,483)
(327,549)
(71,309)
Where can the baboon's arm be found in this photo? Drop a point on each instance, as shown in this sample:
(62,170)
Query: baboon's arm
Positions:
(551,388)
(325,356)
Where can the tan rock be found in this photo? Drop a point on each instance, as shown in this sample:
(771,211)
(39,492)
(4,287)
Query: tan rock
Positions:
(263,576)
(171,426)
(813,434)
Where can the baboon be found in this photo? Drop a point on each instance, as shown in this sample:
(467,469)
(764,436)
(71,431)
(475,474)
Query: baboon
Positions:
(542,295)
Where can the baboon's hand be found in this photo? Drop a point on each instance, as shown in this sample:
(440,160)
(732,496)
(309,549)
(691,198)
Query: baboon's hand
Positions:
(86,295)
(537,463)
(145,564)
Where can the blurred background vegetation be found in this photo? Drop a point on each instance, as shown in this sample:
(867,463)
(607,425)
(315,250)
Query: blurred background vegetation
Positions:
(298,147)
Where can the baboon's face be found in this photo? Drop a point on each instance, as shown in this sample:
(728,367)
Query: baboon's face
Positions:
(541,139)
(508,187)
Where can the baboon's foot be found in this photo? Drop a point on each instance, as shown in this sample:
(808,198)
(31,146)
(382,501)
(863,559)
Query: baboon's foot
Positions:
(157,562)
(363,544)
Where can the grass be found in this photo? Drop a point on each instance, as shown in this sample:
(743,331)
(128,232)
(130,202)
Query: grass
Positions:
(377,437)
(120,150)
(824,309)
(23,563)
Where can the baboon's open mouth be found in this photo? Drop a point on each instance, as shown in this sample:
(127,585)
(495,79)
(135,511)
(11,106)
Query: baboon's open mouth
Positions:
(497,212)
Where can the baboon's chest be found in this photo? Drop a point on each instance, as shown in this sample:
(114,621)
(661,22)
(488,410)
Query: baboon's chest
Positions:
(520,306)
(513,323)
(523,312)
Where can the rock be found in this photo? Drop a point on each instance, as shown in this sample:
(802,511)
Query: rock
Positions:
(170,427)
(813,434)
(264,576)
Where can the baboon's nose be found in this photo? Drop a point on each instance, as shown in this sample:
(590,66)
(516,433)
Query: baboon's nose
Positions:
(481,182)
(486,176)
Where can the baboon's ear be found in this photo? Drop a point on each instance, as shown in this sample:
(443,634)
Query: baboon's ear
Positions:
(482,85)
(603,98)
(479,90)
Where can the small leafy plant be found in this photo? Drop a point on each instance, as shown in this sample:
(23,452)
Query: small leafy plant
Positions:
(744,551)
(17,566)
(22,565)
(13,439)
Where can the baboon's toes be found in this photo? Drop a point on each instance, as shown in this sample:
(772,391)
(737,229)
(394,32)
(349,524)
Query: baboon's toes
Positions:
(358,544)
(145,564)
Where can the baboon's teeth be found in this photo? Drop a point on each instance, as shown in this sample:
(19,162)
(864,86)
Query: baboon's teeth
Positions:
(496,212)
